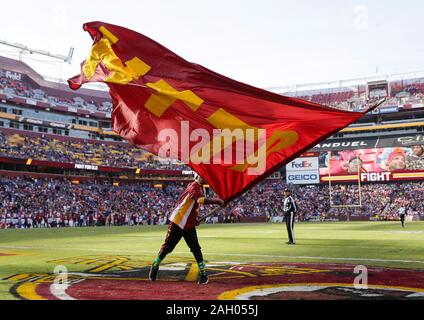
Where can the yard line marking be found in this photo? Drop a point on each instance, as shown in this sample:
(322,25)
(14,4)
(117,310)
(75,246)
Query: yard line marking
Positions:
(216,253)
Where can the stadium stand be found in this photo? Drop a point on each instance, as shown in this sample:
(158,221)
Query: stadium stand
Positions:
(18,79)
(22,81)
(404,94)
(27,202)
(38,203)
(32,109)
(19,144)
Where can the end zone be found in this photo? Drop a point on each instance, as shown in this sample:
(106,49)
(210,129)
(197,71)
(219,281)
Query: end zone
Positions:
(125,278)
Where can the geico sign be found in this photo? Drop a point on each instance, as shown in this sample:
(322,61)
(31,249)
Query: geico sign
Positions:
(302,177)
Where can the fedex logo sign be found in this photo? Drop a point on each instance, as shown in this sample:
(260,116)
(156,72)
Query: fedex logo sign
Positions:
(303,164)
(307,164)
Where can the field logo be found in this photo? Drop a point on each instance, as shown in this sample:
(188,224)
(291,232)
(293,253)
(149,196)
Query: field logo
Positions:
(126,277)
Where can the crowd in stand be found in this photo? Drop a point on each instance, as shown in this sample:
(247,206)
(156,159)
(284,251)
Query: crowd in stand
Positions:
(15,87)
(410,196)
(33,203)
(116,155)
(27,202)
(373,201)
(51,203)
(411,91)
(95,153)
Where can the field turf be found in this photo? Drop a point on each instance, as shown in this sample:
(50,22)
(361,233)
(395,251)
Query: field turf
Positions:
(371,243)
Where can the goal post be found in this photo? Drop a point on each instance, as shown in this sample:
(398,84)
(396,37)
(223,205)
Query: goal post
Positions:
(331,191)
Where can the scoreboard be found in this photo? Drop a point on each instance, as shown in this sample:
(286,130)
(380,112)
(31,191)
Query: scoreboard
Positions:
(378,89)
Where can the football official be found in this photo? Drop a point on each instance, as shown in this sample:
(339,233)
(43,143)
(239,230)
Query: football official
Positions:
(290,209)
(402,213)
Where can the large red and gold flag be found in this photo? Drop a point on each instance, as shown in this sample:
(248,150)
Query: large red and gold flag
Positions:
(232,134)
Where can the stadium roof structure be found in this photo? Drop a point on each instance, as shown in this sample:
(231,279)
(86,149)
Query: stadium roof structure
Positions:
(343,85)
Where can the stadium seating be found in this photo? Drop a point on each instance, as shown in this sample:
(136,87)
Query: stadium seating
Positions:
(413,93)
(412,90)
(30,203)
(25,90)
(55,149)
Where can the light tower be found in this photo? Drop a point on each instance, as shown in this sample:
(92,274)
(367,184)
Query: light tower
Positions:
(24,48)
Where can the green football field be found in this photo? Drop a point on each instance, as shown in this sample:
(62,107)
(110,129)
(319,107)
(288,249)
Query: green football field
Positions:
(38,251)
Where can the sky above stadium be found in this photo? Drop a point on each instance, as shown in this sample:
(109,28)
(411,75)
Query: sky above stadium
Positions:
(264,43)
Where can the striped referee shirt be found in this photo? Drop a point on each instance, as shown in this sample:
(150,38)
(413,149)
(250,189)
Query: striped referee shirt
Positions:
(289,205)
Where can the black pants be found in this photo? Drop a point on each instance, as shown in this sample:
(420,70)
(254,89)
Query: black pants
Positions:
(402,219)
(174,235)
(289,217)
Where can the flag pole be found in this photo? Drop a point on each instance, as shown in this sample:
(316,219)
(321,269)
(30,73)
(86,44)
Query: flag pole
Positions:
(201,219)
(377,104)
